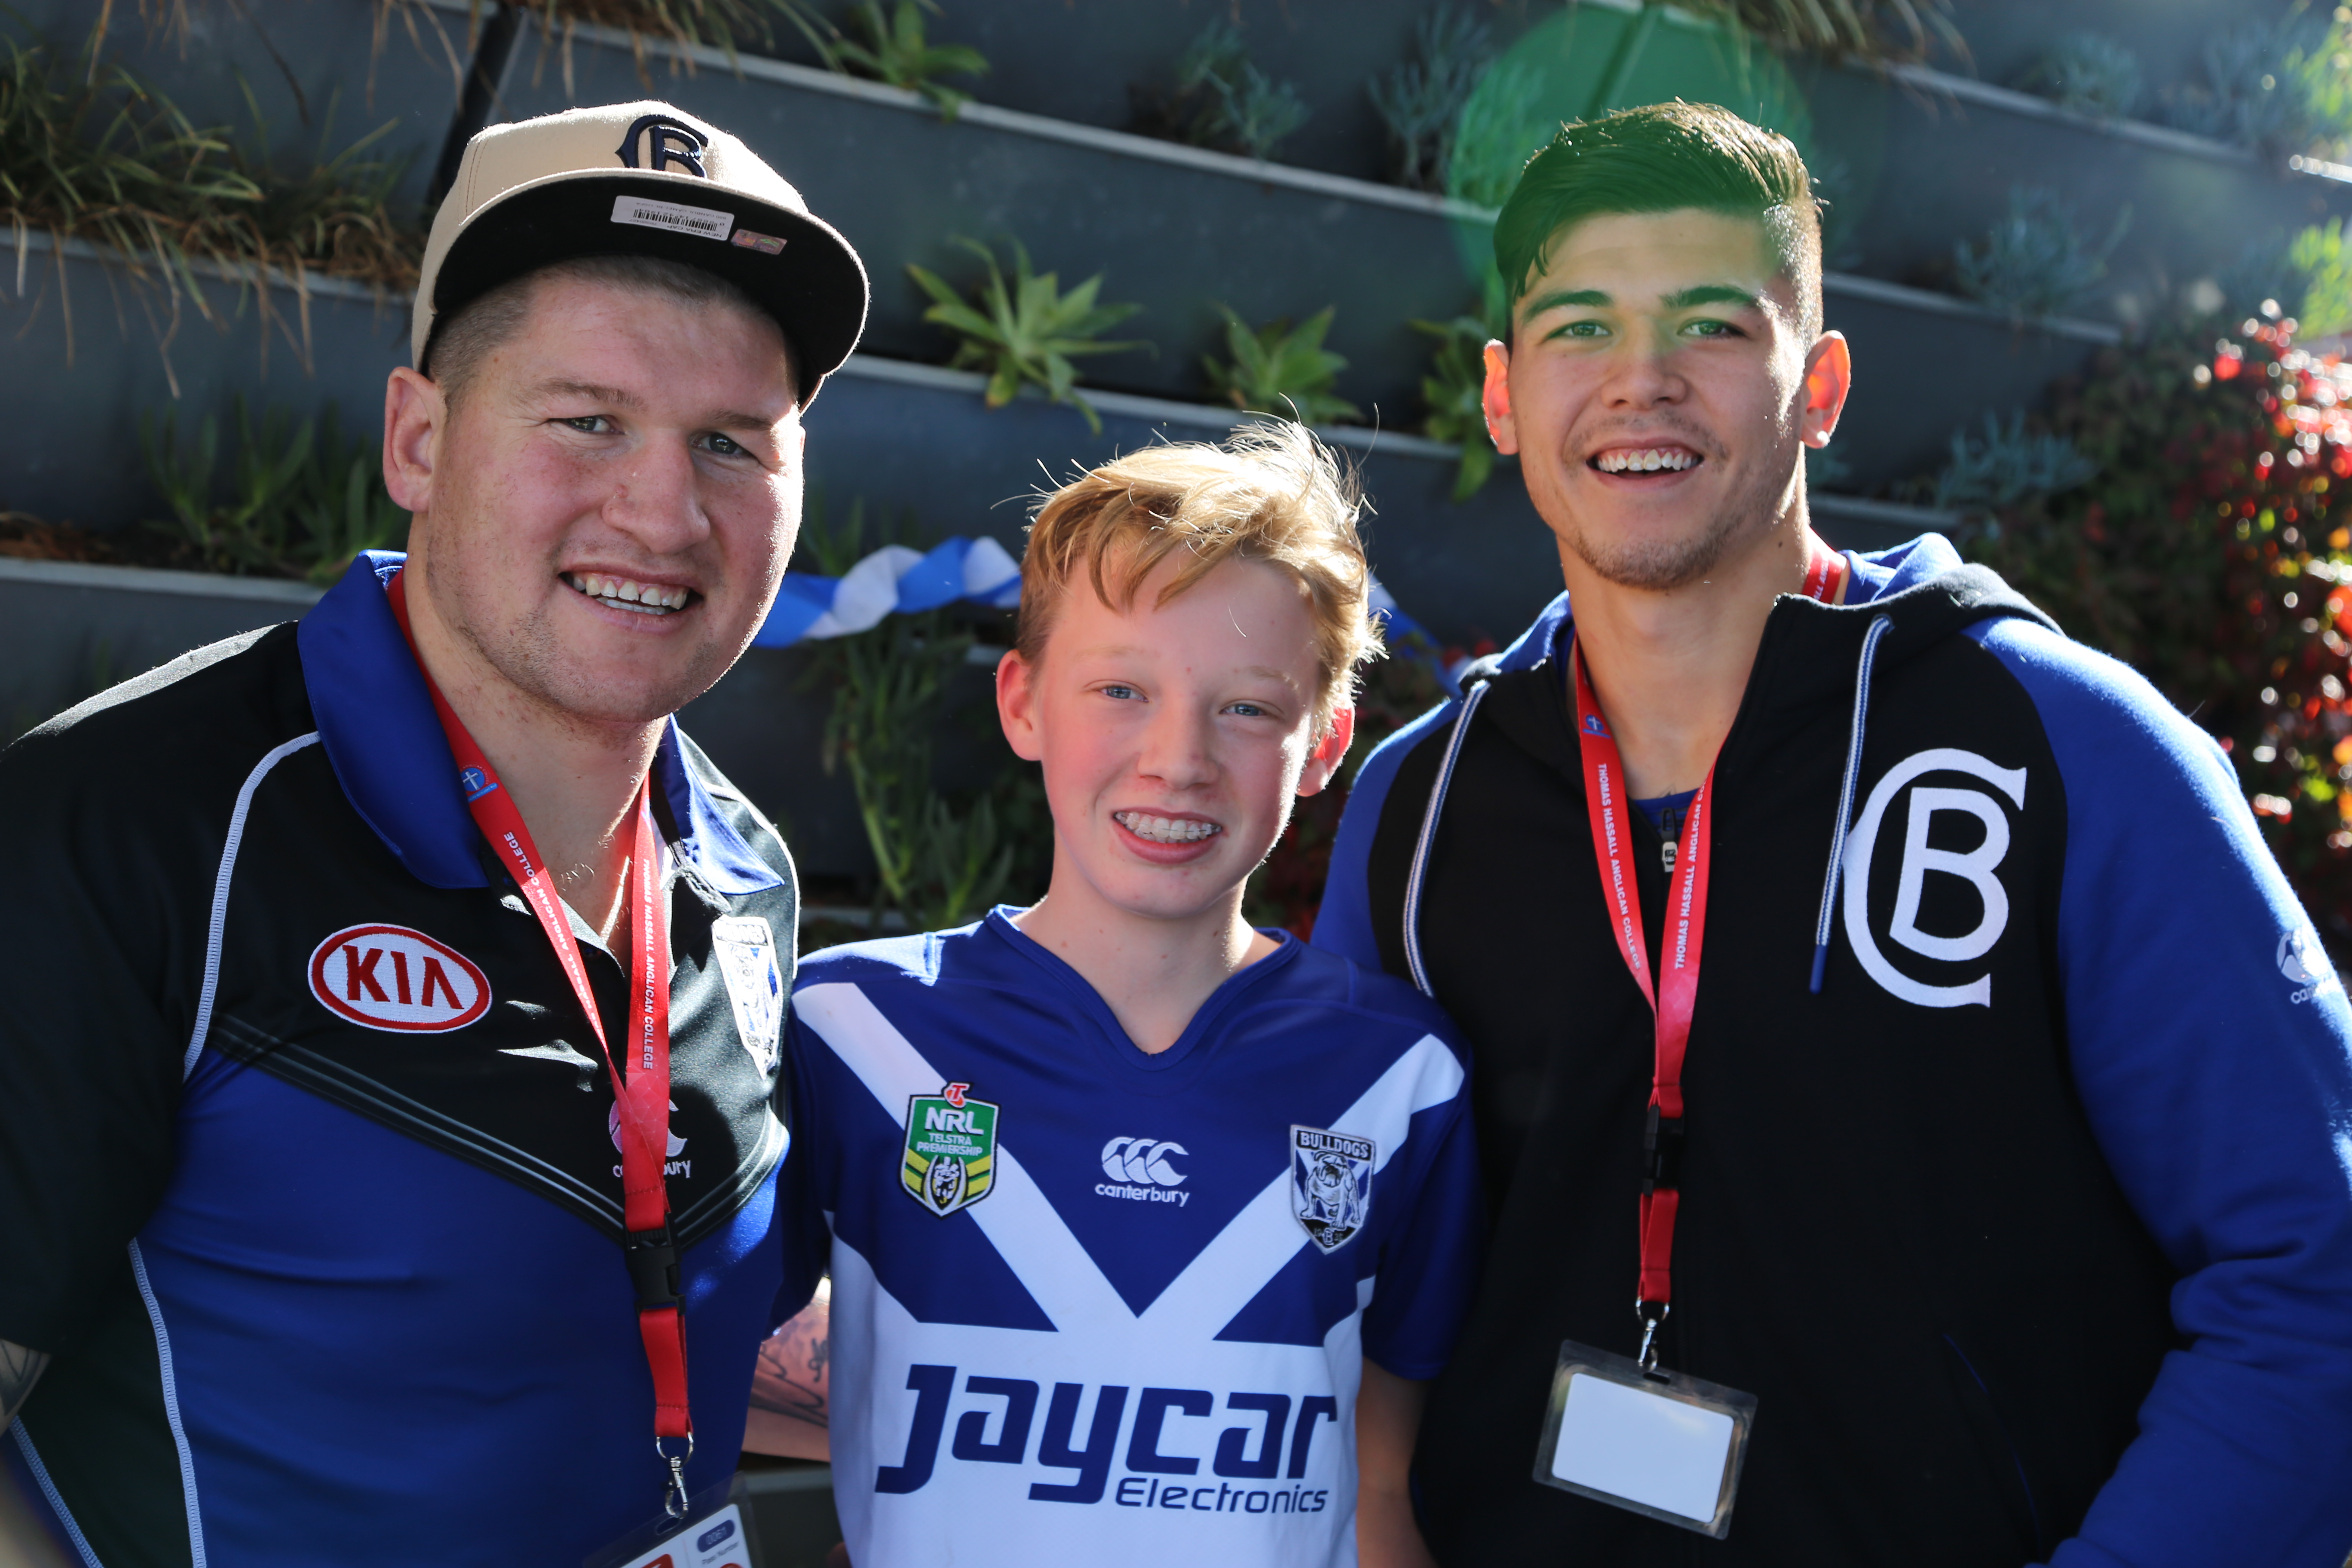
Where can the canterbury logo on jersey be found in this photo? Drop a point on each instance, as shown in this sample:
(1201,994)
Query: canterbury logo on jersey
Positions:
(1157,1447)
(2304,961)
(1139,1171)
(391,977)
(1977,866)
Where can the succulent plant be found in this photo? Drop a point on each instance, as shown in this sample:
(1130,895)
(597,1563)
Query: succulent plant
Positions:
(1281,369)
(2034,261)
(1421,100)
(2089,73)
(2009,464)
(1025,331)
(1222,100)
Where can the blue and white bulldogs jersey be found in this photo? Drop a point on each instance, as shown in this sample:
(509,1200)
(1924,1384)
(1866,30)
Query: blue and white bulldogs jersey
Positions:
(1088,1302)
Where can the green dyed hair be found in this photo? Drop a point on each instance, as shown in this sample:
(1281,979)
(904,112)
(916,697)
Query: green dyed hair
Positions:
(1665,157)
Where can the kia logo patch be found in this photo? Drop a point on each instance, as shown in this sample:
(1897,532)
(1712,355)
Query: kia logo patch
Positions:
(390,977)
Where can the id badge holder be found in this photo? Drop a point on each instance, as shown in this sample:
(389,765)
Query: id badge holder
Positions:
(711,1534)
(1659,1444)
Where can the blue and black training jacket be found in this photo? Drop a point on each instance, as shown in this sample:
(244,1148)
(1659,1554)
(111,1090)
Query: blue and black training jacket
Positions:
(2017,1178)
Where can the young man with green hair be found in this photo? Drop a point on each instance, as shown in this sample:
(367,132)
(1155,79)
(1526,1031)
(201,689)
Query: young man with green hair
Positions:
(1917,1113)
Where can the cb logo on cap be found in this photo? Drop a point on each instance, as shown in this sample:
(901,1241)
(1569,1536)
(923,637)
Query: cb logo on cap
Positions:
(666,141)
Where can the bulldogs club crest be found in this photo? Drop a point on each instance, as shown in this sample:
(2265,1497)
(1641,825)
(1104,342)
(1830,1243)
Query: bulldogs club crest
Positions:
(950,1156)
(1331,1184)
(745,948)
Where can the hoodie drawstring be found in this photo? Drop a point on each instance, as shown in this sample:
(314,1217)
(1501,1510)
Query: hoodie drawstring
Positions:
(1429,834)
(1870,641)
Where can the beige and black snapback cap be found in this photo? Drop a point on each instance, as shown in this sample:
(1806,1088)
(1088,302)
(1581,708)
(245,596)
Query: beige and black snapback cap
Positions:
(641,179)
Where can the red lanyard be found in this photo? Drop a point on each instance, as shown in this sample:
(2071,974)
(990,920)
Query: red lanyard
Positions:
(1825,571)
(1676,990)
(643,1100)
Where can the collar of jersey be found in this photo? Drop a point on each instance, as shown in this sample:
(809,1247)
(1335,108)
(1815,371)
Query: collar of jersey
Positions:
(1204,1021)
(376,721)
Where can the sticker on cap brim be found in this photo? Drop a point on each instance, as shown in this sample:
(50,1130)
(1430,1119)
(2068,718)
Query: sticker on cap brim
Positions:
(767,244)
(675,216)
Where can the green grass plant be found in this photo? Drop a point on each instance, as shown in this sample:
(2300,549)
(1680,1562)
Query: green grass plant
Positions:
(731,26)
(940,859)
(1281,370)
(294,499)
(90,153)
(1879,31)
(343,508)
(895,49)
(1025,331)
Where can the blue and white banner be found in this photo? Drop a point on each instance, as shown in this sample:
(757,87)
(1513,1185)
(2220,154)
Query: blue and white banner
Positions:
(896,580)
(893,580)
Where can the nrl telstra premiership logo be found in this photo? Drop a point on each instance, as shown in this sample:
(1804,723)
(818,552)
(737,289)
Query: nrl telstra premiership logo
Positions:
(951,1154)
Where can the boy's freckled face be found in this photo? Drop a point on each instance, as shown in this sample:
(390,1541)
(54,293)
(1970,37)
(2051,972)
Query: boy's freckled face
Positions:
(1174,736)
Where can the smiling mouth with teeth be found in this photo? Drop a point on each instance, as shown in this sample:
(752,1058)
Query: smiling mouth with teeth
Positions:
(626,594)
(1648,460)
(1165,829)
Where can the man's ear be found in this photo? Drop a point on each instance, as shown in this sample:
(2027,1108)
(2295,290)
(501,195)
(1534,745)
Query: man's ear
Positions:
(1016,706)
(414,413)
(1829,376)
(1324,759)
(1496,398)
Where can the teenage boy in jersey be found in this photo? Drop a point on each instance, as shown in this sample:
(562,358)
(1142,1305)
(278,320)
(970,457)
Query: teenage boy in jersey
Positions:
(2009,1165)
(314,1180)
(1145,1227)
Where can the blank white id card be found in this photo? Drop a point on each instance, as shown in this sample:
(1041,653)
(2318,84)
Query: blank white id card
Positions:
(1657,1444)
(714,1538)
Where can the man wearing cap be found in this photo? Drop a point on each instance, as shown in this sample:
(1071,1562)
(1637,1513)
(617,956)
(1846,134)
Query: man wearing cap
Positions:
(330,1236)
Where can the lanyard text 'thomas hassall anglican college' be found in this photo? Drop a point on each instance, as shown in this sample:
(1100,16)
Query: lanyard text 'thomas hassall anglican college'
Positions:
(643,1096)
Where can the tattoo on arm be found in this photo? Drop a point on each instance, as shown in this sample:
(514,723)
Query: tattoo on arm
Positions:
(19,1369)
(791,1377)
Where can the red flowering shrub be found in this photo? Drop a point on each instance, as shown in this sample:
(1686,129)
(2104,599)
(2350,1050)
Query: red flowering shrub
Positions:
(2212,553)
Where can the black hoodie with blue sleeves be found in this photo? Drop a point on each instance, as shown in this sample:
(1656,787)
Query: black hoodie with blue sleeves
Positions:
(2017,1182)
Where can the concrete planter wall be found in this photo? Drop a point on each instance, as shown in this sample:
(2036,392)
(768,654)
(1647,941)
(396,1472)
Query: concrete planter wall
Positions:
(1172,228)
(67,631)
(73,420)
(1932,159)
(1079,59)
(1084,60)
(2007,36)
(1925,156)
(1178,230)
